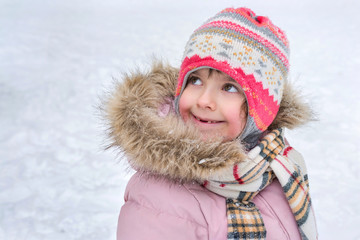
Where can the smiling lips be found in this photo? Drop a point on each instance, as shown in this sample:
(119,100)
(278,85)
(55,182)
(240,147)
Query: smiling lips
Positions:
(205,120)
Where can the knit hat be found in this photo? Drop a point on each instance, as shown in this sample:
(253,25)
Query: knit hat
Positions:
(252,51)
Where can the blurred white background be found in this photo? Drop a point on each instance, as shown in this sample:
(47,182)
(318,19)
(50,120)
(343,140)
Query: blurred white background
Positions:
(57,58)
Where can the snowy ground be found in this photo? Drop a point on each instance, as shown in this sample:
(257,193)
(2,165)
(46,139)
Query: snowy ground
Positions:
(57,57)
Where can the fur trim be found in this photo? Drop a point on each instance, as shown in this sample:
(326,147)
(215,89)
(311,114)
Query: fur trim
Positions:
(293,112)
(166,146)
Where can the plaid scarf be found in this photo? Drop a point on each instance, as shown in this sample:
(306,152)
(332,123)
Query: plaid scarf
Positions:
(269,159)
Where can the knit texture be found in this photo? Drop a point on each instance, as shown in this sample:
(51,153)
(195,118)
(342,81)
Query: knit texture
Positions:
(248,48)
(270,158)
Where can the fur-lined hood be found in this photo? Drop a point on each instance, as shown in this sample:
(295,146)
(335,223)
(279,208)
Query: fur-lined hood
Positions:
(165,145)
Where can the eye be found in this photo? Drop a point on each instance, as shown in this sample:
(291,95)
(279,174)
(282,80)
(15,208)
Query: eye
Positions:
(195,81)
(230,88)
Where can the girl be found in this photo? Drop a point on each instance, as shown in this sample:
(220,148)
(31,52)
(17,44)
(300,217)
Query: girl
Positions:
(207,140)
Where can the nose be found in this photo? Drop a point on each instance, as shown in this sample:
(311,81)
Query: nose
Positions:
(207,100)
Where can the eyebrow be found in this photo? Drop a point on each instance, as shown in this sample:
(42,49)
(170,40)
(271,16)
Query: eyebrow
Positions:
(201,75)
(231,79)
(227,77)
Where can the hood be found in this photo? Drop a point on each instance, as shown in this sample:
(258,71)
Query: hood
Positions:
(165,145)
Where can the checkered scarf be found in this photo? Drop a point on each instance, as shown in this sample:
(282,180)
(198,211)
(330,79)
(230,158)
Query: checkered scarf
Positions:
(269,159)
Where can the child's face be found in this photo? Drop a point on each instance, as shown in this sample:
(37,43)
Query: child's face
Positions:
(214,103)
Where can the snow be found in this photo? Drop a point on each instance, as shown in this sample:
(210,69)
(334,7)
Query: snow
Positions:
(57,58)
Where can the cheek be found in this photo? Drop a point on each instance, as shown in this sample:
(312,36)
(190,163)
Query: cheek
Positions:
(233,113)
(242,116)
(237,121)
(184,106)
(242,120)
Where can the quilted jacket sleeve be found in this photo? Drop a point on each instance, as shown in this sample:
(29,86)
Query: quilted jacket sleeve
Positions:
(154,209)
(139,222)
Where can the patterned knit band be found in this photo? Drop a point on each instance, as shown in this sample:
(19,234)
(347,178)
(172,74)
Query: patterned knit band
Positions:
(248,48)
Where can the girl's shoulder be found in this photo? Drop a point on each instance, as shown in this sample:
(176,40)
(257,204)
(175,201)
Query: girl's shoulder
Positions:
(183,199)
(162,209)
(188,201)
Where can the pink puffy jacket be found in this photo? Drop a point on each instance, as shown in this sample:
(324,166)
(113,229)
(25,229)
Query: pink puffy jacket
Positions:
(156,208)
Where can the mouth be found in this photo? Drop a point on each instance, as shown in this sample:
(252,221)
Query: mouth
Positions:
(204,120)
